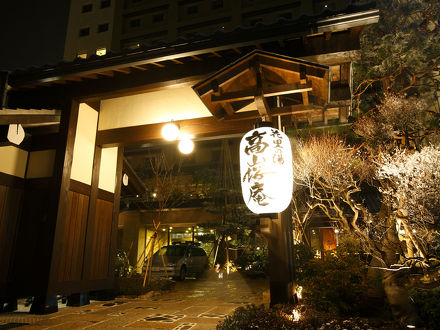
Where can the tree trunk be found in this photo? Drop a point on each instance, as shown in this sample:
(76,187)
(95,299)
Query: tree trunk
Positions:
(397,294)
(394,280)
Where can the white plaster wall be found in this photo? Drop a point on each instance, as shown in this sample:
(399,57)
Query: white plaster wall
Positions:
(13,161)
(84,147)
(41,164)
(107,170)
(151,108)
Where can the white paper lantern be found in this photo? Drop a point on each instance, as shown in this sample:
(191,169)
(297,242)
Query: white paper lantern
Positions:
(266,170)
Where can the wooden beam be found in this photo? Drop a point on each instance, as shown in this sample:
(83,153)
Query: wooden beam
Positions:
(29,116)
(176,61)
(268,90)
(91,76)
(73,78)
(61,177)
(92,213)
(199,127)
(116,202)
(107,73)
(142,68)
(123,70)
(197,58)
(158,64)
(246,94)
(278,111)
(228,108)
(263,107)
(216,54)
(275,90)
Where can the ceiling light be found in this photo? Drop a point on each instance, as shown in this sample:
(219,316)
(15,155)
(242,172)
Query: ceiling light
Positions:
(170,131)
(186,145)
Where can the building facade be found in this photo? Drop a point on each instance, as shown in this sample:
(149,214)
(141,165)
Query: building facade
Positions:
(60,189)
(97,26)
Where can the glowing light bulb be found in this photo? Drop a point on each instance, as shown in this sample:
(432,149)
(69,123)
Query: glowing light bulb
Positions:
(186,145)
(170,132)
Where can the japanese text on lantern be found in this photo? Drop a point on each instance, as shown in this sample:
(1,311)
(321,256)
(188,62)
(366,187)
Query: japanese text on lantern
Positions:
(255,171)
(266,170)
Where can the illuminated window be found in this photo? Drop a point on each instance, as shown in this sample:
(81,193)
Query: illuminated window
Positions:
(103,27)
(101,51)
(105,3)
(135,23)
(87,8)
(192,10)
(84,32)
(82,55)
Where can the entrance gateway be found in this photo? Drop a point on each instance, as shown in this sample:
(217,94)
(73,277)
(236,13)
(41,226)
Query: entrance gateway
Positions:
(60,188)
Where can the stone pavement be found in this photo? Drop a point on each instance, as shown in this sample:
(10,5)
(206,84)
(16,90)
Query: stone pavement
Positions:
(191,304)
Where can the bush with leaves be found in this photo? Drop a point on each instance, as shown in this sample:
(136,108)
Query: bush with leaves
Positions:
(337,283)
(428,305)
(254,261)
(256,317)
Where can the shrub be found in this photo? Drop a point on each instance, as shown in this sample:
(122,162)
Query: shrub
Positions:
(254,261)
(427,303)
(255,317)
(337,283)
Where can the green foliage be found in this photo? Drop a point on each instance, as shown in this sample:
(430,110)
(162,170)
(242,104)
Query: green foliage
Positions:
(428,305)
(254,261)
(399,53)
(337,283)
(255,317)
(122,264)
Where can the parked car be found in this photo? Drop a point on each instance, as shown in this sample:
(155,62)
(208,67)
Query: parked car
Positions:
(179,260)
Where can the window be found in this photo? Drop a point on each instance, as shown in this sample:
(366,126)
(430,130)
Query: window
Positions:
(216,4)
(84,32)
(135,23)
(87,8)
(101,51)
(158,18)
(105,3)
(192,10)
(82,54)
(103,27)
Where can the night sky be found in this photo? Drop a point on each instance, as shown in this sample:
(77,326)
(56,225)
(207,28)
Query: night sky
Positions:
(32,32)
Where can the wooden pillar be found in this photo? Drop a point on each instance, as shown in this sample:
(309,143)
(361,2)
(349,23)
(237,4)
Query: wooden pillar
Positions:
(278,232)
(42,221)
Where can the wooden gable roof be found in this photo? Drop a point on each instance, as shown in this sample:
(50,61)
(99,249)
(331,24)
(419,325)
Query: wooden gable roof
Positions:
(265,84)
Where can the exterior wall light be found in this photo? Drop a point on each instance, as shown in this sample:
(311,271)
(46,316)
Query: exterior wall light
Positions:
(186,145)
(125,179)
(266,170)
(16,134)
(170,131)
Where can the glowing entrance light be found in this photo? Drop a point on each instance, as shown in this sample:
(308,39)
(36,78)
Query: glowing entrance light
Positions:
(266,170)
(170,132)
(186,145)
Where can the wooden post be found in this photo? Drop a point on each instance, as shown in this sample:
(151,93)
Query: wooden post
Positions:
(278,231)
